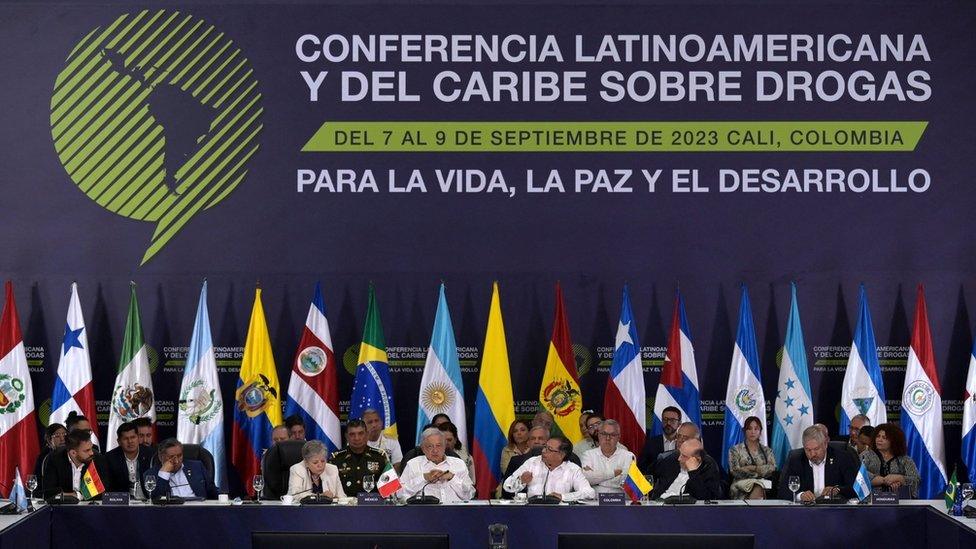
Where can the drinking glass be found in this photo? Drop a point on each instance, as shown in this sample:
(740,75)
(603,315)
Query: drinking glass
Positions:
(967,492)
(258,484)
(31,485)
(149,482)
(794,486)
(368,483)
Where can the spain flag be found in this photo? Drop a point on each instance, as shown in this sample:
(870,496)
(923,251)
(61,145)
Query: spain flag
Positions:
(560,391)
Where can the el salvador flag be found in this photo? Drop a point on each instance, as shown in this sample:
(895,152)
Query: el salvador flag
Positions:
(863,389)
(744,396)
(441,388)
(679,377)
(794,406)
(921,405)
(969,419)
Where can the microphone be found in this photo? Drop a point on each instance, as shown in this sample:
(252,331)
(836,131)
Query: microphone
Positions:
(421,498)
(545,498)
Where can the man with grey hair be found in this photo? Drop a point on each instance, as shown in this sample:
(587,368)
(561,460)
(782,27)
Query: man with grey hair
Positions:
(858,421)
(688,470)
(176,477)
(822,470)
(435,473)
(377,439)
(606,465)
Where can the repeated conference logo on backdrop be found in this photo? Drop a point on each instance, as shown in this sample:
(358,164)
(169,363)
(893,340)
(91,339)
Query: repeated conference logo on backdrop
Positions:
(155,117)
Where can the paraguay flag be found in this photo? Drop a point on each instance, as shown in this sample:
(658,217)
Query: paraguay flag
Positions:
(969,419)
(313,392)
(73,389)
(921,404)
(863,390)
(794,403)
(258,396)
(744,396)
(441,388)
(372,388)
(18,420)
(494,408)
(625,398)
(679,377)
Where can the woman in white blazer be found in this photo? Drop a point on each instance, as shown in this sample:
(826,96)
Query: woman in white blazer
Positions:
(313,475)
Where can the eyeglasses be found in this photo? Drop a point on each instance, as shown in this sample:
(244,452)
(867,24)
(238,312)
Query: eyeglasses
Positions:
(551,450)
(671,420)
(610,435)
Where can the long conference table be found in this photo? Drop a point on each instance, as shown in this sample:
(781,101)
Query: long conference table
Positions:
(913,524)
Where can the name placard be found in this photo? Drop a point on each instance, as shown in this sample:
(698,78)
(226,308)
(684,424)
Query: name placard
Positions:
(115,498)
(612,499)
(884,498)
(369,498)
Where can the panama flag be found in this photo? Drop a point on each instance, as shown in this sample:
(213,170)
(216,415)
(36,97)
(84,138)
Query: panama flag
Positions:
(18,421)
(969,419)
(560,391)
(625,398)
(133,395)
(200,418)
(313,391)
(794,405)
(494,407)
(441,388)
(744,396)
(73,389)
(863,389)
(921,403)
(373,388)
(679,377)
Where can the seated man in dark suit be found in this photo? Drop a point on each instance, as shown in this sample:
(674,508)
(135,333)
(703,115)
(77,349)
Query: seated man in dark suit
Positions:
(129,461)
(66,467)
(688,470)
(175,477)
(656,445)
(822,469)
(538,436)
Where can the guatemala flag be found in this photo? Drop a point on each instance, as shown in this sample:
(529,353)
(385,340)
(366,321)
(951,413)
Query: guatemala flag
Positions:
(794,406)
(744,396)
(862,483)
(625,399)
(73,388)
(921,404)
(679,377)
(863,390)
(441,389)
(969,419)
(313,392)
(200,418)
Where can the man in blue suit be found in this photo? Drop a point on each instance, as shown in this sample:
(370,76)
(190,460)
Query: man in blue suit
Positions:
(174,477)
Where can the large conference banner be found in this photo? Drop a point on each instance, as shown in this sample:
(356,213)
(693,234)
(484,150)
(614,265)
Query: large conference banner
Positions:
(691,147)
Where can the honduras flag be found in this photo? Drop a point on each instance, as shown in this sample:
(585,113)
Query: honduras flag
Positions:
(921,404)
(73,388)
(969,419)
(794,406)
(201,408)
(441,389)
(313,392)
(862,483)
(863,390)
(744,396)
(679,377)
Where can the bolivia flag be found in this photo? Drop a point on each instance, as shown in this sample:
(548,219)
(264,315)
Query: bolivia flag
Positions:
(91,483)
(560,391)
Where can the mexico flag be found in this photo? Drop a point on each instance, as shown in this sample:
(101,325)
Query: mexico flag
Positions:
(388,483)
(133,395)
(18,423)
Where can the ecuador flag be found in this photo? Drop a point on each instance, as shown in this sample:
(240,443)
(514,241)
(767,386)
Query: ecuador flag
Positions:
(258,394)
(373,388)
(560,391)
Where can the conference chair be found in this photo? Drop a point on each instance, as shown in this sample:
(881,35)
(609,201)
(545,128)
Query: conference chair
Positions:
(201,454)
(275,464)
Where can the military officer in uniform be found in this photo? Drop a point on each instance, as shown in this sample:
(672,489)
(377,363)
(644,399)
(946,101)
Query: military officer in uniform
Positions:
(357,459)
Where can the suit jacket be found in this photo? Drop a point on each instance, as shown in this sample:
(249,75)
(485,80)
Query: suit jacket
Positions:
(300,482)
(517,462)
(651,454)
(703,483)
(196,477)
(120,471)
(57,476)
(839,470)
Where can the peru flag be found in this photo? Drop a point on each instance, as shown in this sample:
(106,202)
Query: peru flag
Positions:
(921,404)
(625,398)
(18,422)
(313,391)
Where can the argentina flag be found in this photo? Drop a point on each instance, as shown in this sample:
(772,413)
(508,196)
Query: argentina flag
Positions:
(441,389)
(744,396)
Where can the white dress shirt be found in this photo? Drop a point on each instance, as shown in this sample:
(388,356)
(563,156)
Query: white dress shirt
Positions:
(669,444)
(300,481)
(599,469)
(566,480)
(388,445)
(459,488)
(818,477)
(133,466)
(76,475)
(677,487)
(179,485)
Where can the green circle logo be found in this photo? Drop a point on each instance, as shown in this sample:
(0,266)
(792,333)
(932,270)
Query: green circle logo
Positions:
(155,117)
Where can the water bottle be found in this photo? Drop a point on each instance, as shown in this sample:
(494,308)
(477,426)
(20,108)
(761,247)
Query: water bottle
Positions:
(957,504)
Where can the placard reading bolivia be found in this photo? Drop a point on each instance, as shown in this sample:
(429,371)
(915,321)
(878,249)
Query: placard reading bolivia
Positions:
(403,145)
